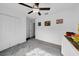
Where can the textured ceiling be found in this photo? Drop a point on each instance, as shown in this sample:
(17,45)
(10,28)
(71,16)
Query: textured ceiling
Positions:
(55,8)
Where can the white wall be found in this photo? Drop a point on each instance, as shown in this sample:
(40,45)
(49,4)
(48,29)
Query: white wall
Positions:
(54,33)
(12,26)
(49,33)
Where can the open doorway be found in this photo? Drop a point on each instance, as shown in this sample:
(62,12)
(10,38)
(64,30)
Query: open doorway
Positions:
(30,28)
(34,30)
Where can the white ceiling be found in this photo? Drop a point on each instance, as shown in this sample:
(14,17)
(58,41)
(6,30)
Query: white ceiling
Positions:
(55,8)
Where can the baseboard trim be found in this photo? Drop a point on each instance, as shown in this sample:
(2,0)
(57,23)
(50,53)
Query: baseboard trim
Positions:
(11,46)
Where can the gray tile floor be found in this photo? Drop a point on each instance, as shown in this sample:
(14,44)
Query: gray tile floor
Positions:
(26,47)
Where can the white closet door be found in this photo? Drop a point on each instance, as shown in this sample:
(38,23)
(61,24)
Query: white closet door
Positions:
(12,31)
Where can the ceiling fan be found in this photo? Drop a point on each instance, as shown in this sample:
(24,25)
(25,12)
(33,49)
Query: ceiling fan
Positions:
(35,8)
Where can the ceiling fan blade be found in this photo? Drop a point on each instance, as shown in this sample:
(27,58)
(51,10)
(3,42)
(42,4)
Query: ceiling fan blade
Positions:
(44,8)
(30,12)
(37,4)
(39,13)
(25,5)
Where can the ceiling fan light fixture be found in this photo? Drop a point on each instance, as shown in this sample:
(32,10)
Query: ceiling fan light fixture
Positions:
(35,10)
